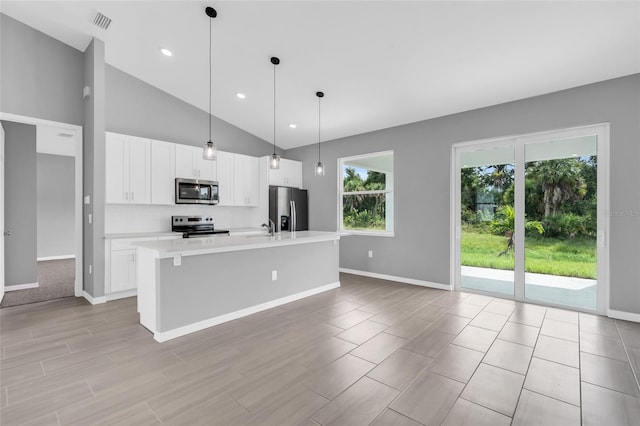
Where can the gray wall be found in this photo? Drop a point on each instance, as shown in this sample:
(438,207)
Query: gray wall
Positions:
(56,205)
(140,109)
(20,204)
(94,169)
(39,76)
(420,248)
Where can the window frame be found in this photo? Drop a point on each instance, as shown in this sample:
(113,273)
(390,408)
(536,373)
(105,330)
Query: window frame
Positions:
(388,191)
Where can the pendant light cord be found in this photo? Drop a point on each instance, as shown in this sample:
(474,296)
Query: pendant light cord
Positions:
(210,72)
(274,109)
(319,100)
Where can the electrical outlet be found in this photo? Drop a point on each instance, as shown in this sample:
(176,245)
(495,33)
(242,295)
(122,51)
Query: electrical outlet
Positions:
(177,260)
(370,253)
(90,269)
(90,218)
(274,275)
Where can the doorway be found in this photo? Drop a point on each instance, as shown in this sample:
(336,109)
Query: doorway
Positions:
(54,267)
(530,218)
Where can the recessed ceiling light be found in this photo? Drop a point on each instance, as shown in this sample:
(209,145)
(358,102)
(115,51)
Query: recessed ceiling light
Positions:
(241,95)
(166,52)
(293,126)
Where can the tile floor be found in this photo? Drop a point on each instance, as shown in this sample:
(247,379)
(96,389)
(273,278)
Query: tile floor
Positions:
(371,352)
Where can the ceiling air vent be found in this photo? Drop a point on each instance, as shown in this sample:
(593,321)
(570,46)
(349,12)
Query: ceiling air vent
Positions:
(101,21)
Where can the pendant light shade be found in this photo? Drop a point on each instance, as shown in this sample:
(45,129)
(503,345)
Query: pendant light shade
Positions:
(209,150)
(319,167)
(274,162)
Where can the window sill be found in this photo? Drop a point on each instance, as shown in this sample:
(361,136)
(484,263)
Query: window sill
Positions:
(366,233)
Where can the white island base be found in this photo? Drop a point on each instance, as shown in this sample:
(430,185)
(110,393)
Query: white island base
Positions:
(191,284)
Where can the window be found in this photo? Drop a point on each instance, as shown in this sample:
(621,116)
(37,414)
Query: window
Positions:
(365,194)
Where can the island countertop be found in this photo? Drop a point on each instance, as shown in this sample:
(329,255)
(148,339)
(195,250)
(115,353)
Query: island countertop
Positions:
(221,244)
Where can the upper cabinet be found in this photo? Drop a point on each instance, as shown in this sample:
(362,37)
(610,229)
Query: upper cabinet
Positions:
(128,169)
(163,172)
(225,179)
(191,165)
(246,180)
(289,173)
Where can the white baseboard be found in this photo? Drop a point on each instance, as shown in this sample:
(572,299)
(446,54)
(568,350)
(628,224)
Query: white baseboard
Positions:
(622,315)
(64,256)
(21,286)
(192,328)
(94,300)
(397,279)
(121,294)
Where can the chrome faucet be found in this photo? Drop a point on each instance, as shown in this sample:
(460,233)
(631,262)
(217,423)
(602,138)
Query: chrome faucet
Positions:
(271,227)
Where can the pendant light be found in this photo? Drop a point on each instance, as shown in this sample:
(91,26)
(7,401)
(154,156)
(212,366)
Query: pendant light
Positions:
(274,162)
(209,150)
(319,166)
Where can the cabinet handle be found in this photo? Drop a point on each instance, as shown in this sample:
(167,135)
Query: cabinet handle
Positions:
(132,196)
(126,196)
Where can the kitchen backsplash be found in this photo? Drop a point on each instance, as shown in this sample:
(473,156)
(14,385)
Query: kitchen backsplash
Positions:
(153,218)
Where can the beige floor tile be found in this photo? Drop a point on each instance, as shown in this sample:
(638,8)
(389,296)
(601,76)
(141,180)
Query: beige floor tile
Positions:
(527,316)
(360,404)
(323,352)
(539,410)
(489,321)
(555,380)
(227,412)
(478,299)
(457,363)
(598,325)
(509,356)
(562,315)
(634,357)
(558,350)
(409,327)
(494,388)
(362,332)
(349,319)
(400,368)
(451,323)
(610,347)
(608,373)
(338,376)
(475,338)
(393,418)
(466,310)
(430,313)
(430,343)
(429,398)
(601,406)
(379,347)
(560,330)
(290,411)
(519,333)
(500,307)
(467,413)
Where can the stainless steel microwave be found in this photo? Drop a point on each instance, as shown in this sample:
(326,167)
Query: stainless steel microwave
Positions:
(196,191)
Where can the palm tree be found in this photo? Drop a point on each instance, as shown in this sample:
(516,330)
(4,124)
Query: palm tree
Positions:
(561,181)
(507,224)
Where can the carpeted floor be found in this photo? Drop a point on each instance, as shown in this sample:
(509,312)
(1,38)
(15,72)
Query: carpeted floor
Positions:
(56,279)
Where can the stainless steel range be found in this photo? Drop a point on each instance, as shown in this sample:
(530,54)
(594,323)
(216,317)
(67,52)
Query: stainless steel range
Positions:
(195,226)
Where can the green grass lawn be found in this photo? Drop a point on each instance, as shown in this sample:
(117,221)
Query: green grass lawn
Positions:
(569,258)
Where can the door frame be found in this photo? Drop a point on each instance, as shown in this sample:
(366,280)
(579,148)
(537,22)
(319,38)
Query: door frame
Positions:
(601,130)
(78,286)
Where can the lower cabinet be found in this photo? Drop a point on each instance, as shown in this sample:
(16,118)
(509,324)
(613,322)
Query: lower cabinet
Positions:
(120,266)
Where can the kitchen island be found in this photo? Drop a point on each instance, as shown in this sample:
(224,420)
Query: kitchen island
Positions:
(186,285)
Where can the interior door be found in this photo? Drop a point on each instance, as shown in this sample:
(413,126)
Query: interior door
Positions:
(1,212)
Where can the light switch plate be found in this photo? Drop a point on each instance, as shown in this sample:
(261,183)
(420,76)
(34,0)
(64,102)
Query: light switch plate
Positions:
(274,275)
(177,260)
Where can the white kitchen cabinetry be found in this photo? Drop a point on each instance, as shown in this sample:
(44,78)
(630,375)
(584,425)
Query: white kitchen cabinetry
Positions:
(246,180)
(191,165)
(289,173)
(128,169)
(226,191)
(120,265)
(163,172)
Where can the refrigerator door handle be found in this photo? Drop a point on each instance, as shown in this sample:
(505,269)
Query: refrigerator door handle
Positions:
(291,216)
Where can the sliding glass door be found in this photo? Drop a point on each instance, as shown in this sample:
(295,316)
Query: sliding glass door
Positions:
(530,218)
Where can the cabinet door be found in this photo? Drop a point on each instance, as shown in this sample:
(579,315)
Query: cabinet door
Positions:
(185,164)
(207,169)
(276,177)
(239,180)
(252,180)
(163,172)
(139,170)
(117,168)
(225,178)
(294,174)
(123,270)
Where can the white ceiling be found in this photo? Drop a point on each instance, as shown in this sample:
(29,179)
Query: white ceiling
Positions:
(380,64)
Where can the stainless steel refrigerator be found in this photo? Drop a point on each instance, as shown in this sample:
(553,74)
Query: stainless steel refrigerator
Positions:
(288,208)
